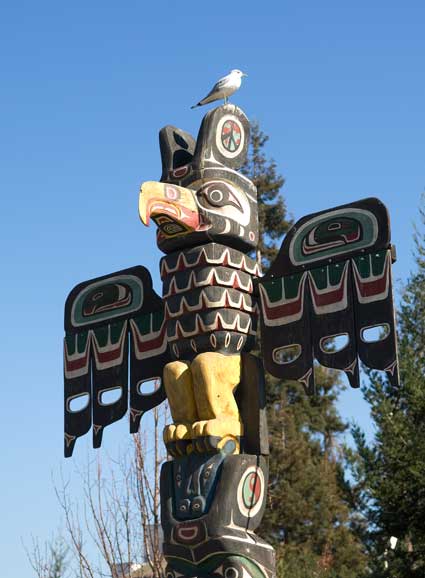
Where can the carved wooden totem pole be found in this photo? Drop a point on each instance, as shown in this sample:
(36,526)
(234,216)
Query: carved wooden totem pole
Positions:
(331,278)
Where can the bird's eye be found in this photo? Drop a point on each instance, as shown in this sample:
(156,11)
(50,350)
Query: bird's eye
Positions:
(218,194)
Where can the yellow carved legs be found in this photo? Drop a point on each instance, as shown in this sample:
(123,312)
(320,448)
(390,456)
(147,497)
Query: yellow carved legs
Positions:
(201,398)
(179,387)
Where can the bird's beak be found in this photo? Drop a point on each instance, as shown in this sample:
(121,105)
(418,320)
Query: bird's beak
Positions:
(243,74)
(174,209)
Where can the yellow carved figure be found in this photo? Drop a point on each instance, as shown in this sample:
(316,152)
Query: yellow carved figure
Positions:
(201,398)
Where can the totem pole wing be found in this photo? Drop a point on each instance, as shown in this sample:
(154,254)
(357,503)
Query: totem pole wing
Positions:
(328,296)
(111,323)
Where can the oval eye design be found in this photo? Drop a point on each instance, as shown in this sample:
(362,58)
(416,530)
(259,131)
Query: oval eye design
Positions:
(218,194)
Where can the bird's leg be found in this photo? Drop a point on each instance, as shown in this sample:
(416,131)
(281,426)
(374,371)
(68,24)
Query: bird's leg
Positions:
(179,388)
(225,100)
(215,378)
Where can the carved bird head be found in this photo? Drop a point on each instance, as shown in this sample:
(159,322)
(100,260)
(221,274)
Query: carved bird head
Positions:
(201,197)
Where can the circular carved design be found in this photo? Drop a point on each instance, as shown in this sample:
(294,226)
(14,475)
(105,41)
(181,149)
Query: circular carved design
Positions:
(250,493)
(230,136)
(231,572)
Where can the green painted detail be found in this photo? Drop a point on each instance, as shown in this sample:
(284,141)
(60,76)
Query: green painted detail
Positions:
(111,332)
(273,289)
(157,320)
(70,343)
(371,263)
(287,286)
(327,276)
(212,563)
(291,284)
(363,265)
(323,229)
(133,285)
(151,322)
(335,272)
(143,323)
(76,342)
(251,490)
(378,262)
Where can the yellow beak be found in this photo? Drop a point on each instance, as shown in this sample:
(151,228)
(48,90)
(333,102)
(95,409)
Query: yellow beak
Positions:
(173,208)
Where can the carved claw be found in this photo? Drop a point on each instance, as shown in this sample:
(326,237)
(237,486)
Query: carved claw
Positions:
(217,435)
(219,427)
(177,438)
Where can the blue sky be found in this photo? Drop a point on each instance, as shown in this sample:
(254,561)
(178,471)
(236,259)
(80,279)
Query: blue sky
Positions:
(338,86)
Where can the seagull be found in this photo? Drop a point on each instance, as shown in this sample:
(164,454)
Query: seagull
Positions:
(223,88)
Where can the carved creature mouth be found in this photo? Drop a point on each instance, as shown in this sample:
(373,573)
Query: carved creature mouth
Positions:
(156,207)
(168,226)
(174,221)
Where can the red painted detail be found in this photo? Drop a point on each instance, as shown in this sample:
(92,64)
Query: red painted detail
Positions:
(74,364)
(179,331)
(353,237)
(111,355)
(236,284)
(180,172)
(202,259)
(255,487)
(218,323)
(173,287)
(118,304)
(155,343)
(286,309)
(376,286)
(344,240)
(335,295)
(187,534)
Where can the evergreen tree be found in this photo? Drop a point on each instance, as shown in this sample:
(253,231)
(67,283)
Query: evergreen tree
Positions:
(308,516)
(390,473)
(272,217)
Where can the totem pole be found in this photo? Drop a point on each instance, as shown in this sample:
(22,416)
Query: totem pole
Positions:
(331,278)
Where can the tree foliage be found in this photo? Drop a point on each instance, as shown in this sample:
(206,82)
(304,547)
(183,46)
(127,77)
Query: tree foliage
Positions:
(272,214)
(390,471)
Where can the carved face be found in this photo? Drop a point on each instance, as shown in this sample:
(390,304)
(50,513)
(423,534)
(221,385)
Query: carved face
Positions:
(201,196)
(216,209)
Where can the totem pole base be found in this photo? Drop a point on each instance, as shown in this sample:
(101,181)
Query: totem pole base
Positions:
(211,506)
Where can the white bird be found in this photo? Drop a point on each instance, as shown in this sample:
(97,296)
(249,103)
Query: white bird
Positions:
(223,88)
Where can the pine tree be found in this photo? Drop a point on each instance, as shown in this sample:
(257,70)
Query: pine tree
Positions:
(308,517)
(390,474)
(272,215)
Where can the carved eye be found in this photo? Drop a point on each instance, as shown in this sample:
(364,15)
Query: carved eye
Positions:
(218,194)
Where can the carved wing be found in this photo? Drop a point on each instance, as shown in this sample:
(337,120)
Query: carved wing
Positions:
(114,326)
(328,296)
